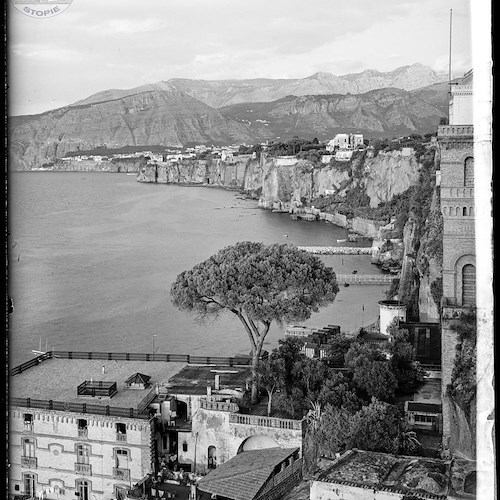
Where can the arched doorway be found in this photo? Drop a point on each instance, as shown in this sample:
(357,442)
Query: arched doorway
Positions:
(468,285)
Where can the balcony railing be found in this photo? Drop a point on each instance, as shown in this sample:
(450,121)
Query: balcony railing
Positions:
(123,474)
(259,421)
(121,437)
(83,433)
(83,469)
(95,388)
(28,461)
(455,130)
(208,404)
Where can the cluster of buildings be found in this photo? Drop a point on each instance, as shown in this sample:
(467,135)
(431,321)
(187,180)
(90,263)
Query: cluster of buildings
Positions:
(100,426)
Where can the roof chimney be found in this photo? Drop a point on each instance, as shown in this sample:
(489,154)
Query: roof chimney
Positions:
(217,382)
(209,390)
(103,370)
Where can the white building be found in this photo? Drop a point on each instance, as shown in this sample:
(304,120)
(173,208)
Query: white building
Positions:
(461,105)
(345,141)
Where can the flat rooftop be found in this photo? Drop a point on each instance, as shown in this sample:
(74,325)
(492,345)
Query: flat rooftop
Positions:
(194,379)
(403,474)
(57,379)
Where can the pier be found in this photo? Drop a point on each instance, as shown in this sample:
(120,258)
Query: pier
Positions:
(338,250)
(365,279)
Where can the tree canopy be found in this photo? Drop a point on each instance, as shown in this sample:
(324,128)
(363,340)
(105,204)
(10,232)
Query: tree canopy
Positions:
(259,284)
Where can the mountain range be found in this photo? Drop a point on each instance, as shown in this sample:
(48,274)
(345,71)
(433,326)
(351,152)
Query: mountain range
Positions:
(178,112)
(218,93)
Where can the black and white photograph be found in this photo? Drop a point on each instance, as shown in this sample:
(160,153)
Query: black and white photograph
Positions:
(249,250)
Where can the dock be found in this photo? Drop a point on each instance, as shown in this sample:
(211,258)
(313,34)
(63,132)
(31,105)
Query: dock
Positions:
(338,250)
(365,279)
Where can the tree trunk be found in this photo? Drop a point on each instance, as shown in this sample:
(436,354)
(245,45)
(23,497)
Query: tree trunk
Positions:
(255,363)
(269,403)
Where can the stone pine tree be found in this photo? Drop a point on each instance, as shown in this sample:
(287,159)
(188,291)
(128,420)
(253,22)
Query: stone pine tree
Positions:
(259,284)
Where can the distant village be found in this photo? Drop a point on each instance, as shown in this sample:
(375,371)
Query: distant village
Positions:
(340,148)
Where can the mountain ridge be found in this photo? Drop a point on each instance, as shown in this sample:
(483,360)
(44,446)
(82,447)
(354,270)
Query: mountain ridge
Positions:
(219,93)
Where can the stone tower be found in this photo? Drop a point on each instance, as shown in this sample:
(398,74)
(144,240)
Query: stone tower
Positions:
(459,271)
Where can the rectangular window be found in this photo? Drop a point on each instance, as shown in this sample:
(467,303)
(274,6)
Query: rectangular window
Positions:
(29,484)
(28,422)
(121,432)
(28,447)
(82,454)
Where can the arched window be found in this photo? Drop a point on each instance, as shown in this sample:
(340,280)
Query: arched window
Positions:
(468,285)
(469,172)
(464,211)
(212,459)
(457,211)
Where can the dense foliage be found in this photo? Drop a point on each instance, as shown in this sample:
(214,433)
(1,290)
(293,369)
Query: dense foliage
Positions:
(344,409)
(462,387)
(259,284)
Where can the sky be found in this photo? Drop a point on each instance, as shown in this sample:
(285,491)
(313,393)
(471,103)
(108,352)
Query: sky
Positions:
(94,45)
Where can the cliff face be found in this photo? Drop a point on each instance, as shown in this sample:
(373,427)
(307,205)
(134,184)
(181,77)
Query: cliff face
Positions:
(389,174)
(290,187)
(117,165)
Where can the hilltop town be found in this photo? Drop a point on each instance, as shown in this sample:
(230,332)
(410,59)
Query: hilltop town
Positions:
(388,412)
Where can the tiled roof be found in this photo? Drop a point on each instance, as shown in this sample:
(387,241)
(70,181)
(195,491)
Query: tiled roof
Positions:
(138,378)
(422,477)
(242,477)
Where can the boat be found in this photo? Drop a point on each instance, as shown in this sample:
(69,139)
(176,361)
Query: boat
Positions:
(346,284)
(131,173)
(355,271)
(342,241)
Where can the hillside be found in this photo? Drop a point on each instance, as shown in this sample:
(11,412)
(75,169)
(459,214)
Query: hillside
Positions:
(152,117)
(384,113)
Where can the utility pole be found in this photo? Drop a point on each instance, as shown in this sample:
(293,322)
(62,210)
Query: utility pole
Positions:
(449,57)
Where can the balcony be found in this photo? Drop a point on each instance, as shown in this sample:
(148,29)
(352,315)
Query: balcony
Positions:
(83,433)
(28,462)
(455,131)
(28,427)
(123,474)
(85,469)
(121,437)
(259,421)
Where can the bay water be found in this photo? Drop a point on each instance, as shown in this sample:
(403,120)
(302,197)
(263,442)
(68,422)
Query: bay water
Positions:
(92,257)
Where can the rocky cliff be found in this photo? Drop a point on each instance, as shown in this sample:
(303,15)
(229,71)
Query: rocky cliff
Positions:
(292,187)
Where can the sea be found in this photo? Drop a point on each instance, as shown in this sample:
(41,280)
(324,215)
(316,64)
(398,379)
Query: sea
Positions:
(92,257)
